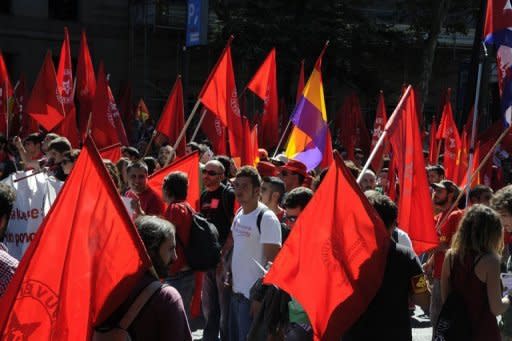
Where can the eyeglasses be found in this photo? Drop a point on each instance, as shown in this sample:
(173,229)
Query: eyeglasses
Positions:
(209,172)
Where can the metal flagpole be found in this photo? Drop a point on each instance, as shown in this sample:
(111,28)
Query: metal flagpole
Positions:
(203,115)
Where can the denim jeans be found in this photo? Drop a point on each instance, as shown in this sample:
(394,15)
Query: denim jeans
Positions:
(184,282)
(215,298)
(240,319)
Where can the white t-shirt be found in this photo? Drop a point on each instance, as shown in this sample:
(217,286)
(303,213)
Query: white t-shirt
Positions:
(248,246)
(403,238)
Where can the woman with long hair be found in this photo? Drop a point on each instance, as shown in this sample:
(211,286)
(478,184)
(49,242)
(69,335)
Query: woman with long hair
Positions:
(472,269)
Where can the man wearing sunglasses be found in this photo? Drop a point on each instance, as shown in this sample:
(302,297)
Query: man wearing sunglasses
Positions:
(217,201)
(293,174)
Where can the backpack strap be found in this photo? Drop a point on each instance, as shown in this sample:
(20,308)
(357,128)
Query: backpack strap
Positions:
(138,304)
(259,217)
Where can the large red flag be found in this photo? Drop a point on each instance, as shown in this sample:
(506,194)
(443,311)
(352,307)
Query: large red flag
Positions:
(415,213)
(189,165)
(85,83)
(172,120)
(351,126)
(448,132)
(83,262)
(378,128)
(334,271)
(432,146)
(264,85)
(215,131)
(250,144)
(5,95)
(220,97)
(118,121)
(43,105)
(103,126)
(68,126)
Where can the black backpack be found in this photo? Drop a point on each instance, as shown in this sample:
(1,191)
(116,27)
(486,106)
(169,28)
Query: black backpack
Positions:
(203,249)
(285,230)
(453,323)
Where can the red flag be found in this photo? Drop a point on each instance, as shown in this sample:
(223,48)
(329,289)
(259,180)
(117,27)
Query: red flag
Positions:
(220,97)
(415,214)
(215,131)
(300,83)
(96,256)
(85,83)
(378,128)
(43,104)
(448,132)
(68,127)
(28,124)
(103,126)
(5,95)
(333,272)
(118,121)
(189,165)
(250,144)
(172,120)
(264,85)
(142,112)
(352,129)
(328,156)
(432,148)
(112,153)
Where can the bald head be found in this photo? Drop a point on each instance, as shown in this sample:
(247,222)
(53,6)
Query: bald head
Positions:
(213,174)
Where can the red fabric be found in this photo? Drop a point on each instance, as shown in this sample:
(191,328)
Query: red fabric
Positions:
(328,156)
(415,211)
(27,125)
(300,83)
(181,217)
(43,105)
(378,128)
(215,131)
(432,146)
(85,83)
(172,120)
(446,233)
(496,16)
(346,257)
(264,85)
(249,155)
(351,127)
(151,201)
(5,95)
(112,153)
(67,127)
(220,97)
(103,127)
(195,309)
(118,121)
(189,165)
(83,262)
(452,144)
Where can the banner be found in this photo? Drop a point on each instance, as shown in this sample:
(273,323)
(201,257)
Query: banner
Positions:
(34,197)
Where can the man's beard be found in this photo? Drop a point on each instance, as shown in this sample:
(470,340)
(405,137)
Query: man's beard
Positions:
(161,268)
(441,202)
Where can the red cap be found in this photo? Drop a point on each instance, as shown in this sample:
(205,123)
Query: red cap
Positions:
(296,167)
(267,169)
(263,154)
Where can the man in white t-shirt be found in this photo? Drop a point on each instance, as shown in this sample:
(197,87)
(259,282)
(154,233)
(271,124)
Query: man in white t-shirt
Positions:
(252,243)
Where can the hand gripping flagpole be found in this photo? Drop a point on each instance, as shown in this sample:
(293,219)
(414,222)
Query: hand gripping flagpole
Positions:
(475,119)
(384,133)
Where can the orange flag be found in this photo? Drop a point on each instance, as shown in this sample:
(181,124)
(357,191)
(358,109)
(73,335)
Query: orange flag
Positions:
(43,104)
(264,85)
(249,156)
(189,165)
(85,83)
(5,94)
(334,271)
(220,97)
(103,126)
(415,213)
(378,128)
(432,148)
(68,126)
(83,262)
(448,132)
(172,120)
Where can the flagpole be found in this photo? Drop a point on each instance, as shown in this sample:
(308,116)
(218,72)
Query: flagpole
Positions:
(203,115)
(475,119)
(478,169)
(384,133)
(187,123)
(282,138)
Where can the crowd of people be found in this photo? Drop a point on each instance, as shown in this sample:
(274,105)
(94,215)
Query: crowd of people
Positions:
(253,209)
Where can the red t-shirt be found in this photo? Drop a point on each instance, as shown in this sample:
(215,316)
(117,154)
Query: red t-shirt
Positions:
(181,217)
(447,232)
(150,201)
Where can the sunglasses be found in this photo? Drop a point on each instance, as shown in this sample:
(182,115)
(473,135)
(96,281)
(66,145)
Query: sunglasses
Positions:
(210,172)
